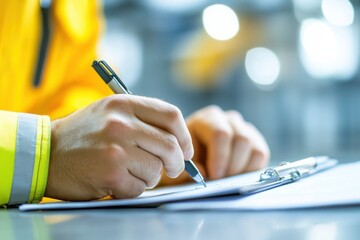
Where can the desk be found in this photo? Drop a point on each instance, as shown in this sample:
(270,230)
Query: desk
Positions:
(326,223)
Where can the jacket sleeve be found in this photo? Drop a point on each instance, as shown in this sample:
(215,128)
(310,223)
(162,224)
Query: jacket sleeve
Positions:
(80,85)
(24,157)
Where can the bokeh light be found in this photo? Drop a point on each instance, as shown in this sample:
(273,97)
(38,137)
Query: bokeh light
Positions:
(327,51)
(262,65)
(338,12)
(220,22)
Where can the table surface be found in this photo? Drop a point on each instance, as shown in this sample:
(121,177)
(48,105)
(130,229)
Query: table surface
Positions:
(323,223)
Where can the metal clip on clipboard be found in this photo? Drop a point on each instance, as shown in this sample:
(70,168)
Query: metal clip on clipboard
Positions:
(286,173)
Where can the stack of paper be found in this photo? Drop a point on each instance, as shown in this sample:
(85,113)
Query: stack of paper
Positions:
(337,186)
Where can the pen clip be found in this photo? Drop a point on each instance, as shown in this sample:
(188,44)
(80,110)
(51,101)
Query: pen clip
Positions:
(112,74)
(107,74)
(102,72)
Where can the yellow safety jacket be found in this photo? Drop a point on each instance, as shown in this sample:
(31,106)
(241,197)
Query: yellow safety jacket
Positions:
(46,51)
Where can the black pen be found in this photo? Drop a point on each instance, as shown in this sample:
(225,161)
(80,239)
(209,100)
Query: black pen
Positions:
(118,87)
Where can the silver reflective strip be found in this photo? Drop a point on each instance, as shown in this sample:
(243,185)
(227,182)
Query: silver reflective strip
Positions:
(24,158)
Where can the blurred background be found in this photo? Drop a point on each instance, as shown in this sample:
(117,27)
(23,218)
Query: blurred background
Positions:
(291,67)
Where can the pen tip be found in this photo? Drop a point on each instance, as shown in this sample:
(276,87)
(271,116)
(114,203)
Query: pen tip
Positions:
(204,184)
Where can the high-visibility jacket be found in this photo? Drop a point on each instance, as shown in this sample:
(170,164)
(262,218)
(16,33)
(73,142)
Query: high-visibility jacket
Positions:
(66,83)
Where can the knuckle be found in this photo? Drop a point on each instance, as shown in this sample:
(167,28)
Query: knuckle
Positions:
(110,124)
(113,102)
(174,114)
(234,114)
(242,140)
(172,144)
(222,134)
(114,153)
(115,125)
(213,109)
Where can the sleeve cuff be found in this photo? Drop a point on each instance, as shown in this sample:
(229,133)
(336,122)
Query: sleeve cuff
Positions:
(24,157)
(42,157)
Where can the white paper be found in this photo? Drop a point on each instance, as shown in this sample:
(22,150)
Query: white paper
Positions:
(337,186)
(334,187)
(153,198)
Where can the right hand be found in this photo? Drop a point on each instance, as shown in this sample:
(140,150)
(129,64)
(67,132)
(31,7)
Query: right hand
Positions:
(117,147)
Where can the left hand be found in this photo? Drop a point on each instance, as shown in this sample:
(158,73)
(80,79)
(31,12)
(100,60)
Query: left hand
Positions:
(225,144)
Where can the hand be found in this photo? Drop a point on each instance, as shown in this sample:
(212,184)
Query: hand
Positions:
(224,144)
(117,146)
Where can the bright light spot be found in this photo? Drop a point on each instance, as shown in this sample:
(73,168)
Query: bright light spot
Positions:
(327,51)
(220,22)
(338,12)
(320,47)
(262,66)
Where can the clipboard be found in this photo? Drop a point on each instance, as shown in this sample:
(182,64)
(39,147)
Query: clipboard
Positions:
(243,184)
(336,187)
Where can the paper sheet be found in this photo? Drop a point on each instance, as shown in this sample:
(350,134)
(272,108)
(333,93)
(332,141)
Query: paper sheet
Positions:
(153,198)
(334,187)
(337,186)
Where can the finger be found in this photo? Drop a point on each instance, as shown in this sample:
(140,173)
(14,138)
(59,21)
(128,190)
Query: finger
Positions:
(161,144)
(261,143)
(184,177)
(257,161)
(241,146)
(129,132)
(260,154)
(167,117)
(215,133)
(200,154)
(145,166)
(125,185)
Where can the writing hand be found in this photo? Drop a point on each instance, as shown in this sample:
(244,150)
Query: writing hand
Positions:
(117,146)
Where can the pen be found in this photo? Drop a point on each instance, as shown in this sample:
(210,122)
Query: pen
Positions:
(119,87)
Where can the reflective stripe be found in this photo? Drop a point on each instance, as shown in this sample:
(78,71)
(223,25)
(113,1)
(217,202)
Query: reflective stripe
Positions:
(41,160)
(44,156)
(24,158)
(8,127)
